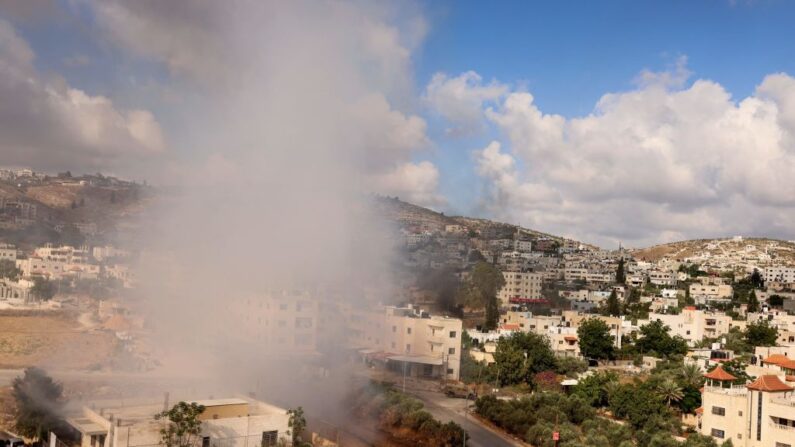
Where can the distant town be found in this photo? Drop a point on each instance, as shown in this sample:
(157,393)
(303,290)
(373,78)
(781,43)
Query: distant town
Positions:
(496,326)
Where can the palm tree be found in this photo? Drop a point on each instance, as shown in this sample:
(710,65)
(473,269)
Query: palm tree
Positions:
(691,375)
(669,391)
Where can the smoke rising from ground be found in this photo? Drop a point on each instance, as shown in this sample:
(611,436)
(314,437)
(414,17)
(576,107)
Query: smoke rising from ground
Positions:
(289,113)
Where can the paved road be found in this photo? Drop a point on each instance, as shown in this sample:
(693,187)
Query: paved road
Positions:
(449,409)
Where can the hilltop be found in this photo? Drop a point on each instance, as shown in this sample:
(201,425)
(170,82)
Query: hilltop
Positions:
(36,208)
(737,250)
(408,215)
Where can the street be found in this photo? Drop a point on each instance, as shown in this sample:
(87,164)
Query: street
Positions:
(452,409)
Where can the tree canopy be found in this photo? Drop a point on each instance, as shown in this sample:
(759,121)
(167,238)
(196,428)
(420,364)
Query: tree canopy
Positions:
(39,401)
(183,426)
(519,357)
(8,269)
(654,338)
(595,339)
(761,334)
(612,307)
(480,291)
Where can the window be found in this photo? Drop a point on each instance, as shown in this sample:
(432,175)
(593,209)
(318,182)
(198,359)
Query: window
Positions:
(450,371)
(720,411)
(451,351)
(408,348)
(452,334)
(408,330)
(270,438)
(206,441)
(394,328)
(718,433)
(781,444)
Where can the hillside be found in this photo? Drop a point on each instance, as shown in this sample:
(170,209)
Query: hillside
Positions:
(737,250)
(410,215)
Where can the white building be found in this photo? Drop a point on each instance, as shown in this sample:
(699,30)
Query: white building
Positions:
(693,324)
(232,422)
(426,345)
(779,274)
(757,414)
(662,278)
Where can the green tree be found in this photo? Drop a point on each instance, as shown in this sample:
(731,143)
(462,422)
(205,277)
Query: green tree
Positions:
(183,425)
(669,391)
(621,276)
(654,338)
(613,307)
(595,339)
(480,291)
(595,389)
(522,355)
(756,279)
(43,289)
(39,402)
(636,403)
(297,424)
(690,375)
(8,269)
(775,300)
(753,302)
(736,341)
(761,334)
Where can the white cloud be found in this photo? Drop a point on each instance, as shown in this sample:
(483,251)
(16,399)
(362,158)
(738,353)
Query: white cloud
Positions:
(460,99)
(664,161)
(326,82)
(413,182)
(49,125)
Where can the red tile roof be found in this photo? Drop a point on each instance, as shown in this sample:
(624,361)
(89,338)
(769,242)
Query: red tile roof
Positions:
(720,374)
(569,338)
(510,327)
(769,383)
(789,364)
(776,359)
(700,410)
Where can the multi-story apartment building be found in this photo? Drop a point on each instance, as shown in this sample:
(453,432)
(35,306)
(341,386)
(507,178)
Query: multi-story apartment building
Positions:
(575,274)
(662,278)
(573,319)
(522,245)
(521,286)
(758,414)
(56,268)
(779,274)
(710,292)
(65,254)
(425,345)
(232,422)
(562,338)
(693,324)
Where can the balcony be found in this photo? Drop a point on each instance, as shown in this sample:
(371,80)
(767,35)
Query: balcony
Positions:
(734,390)
(778,426)
(783,401)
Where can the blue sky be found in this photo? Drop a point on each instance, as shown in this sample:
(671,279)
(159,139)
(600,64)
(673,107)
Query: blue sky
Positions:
(570,53)
(487,110)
